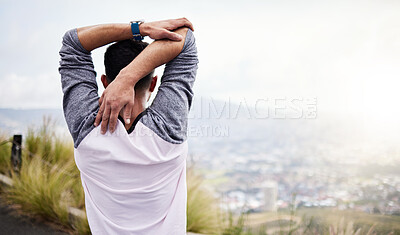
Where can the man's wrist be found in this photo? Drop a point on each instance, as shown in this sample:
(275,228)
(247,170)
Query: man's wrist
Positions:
(143,28)
(127,77)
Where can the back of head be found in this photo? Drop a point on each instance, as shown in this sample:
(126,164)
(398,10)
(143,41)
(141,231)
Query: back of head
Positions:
(119,55)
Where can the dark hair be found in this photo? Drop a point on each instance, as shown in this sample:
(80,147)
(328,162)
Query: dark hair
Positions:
(119,55)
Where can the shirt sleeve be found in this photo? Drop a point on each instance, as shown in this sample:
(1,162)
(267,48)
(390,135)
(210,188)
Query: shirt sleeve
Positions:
(168,114)
(78,80)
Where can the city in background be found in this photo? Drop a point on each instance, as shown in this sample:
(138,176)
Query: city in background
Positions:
(296,102)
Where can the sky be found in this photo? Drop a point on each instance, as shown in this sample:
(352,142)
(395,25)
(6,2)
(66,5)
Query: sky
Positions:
(345,54)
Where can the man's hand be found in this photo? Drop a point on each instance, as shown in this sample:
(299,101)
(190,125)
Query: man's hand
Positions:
(119,94)
(162,29)
(116,97)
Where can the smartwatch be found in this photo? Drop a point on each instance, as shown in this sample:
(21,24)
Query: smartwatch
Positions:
(135,30)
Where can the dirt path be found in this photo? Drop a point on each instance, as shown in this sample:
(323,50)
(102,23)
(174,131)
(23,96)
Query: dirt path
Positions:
(11,223)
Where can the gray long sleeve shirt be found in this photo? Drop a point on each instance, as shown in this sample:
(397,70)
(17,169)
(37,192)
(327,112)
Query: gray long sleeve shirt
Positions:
(167,115)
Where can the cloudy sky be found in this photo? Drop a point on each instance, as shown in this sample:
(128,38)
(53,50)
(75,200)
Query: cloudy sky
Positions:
(344,53)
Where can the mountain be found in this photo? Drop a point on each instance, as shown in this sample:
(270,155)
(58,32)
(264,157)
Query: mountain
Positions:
(15,121)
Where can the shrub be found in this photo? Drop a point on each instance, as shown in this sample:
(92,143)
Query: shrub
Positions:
(202,207)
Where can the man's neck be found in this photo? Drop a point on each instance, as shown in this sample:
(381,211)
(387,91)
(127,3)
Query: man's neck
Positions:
(138,107)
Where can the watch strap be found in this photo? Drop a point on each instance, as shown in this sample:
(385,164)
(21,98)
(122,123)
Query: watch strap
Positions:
(135,30)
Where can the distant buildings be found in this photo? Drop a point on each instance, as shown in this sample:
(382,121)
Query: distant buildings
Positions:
(270,190)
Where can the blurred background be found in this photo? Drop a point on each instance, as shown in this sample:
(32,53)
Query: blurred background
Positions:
(296,102)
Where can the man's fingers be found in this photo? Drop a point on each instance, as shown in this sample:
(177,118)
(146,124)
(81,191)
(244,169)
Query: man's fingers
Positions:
(105,119)
(113,118)
(187,23)
(182,22)
(172,36)
(101,99)
(128,113)
(99,115)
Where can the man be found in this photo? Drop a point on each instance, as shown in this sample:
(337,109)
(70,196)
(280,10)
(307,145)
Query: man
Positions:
(134,175)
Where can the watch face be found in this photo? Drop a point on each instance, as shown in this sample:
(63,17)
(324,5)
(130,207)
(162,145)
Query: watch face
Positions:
(137,21)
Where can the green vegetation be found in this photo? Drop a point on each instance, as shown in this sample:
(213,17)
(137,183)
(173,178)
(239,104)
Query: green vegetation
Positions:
(202,211)
(48,182)
(381,224)
(322,221)
(5,153)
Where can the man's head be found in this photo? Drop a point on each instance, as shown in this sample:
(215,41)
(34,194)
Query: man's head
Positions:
(118,56)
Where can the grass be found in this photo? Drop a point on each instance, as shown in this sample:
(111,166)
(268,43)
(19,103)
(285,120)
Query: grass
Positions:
(202,210)
(382,224)
(5,153)
(312,221)
(323,221)
(48,182)
(42,190)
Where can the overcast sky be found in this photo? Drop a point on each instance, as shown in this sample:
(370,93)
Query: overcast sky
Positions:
(344,53)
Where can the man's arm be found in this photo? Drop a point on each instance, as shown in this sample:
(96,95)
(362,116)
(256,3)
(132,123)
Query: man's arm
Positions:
(120,92)
(92,37)
(78,78)
(168,114)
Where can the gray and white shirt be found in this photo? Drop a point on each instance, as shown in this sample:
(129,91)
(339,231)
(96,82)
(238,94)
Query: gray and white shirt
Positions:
(135,180)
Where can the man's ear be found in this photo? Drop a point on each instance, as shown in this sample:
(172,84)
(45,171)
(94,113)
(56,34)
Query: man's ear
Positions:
(104,80)
(153,83)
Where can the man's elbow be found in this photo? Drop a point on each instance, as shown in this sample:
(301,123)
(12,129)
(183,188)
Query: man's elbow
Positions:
(190,47)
